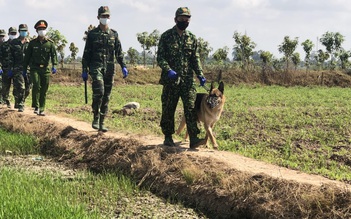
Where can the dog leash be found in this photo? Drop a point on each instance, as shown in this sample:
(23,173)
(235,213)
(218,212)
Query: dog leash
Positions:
(206,88)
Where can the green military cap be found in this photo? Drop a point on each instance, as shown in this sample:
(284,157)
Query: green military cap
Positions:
(103,10)
(41,23)
(185,11)
(12,30)
(23,27)
(2,32)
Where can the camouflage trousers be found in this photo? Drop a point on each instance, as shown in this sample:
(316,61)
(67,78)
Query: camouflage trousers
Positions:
(102,87)
(170,97)
(6,86)
(19,88)
(1,101)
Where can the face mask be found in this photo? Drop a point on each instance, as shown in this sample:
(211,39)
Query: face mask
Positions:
(41,33)
(182,25)
(11,37)
(23,33)
(104,21)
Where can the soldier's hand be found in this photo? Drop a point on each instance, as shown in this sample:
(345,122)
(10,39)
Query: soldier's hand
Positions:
(172,74)
(85,76)
(125,72)
(10,74)
(53,70)
(202,80)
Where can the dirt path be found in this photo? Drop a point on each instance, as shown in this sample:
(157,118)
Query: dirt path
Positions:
(234,161)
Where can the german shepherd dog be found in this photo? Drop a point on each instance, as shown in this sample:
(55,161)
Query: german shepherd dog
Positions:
(208,108)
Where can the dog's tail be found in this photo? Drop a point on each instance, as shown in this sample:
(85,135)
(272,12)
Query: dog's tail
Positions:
(181,126)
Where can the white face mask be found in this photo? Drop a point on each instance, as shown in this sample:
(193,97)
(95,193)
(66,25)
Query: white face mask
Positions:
(41,33)
(104,21)
(11,37)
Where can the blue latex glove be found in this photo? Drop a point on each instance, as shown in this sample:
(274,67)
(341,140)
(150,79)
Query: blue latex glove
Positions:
(1,71)
(24,73)
(53,70)
(202,80)
(10,74)
(125,72)
(172,74)
(85,76)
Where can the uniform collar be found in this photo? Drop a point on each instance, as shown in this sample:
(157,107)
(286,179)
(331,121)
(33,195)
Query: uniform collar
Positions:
(185,33)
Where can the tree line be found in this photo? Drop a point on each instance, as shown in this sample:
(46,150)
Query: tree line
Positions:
(244,55)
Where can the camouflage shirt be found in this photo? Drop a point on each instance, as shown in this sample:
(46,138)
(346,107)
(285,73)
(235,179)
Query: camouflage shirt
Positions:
(17,51)
(5,55)
(39,53)
(100,49)
(179,53)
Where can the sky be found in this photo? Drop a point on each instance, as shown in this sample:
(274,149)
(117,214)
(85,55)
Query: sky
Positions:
(266,22)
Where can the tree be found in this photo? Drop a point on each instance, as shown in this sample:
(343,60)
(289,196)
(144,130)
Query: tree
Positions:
(332,42)
(321,58)
(266,58)
(243,49)
(296,59)
(74,51)
(59,42)
(147,42)
(133,56)
(87,31)
(220,55)
(142,39)
(288,47)
(307,46)
(152,42)
(344,58)
(204,50)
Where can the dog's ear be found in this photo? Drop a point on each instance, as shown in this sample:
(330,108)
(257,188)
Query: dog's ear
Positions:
(221,87)
(211,86)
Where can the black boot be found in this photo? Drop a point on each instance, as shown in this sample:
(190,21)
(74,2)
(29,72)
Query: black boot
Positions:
(169,141)
(196,142)
(95,123)
(102,127)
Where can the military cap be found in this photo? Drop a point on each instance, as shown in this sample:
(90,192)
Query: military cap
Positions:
(103,10)
(41,23)
(185,11)
(12,30)
(2,32)
(23,27)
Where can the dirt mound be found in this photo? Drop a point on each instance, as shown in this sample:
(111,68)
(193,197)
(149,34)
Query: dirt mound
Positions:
(219,184)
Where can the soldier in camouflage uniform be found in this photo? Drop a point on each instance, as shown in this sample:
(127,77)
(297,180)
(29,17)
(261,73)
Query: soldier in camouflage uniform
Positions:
(6,62)
(20,81)
(40,52)
(101,47)
(179,59)
(2,39)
